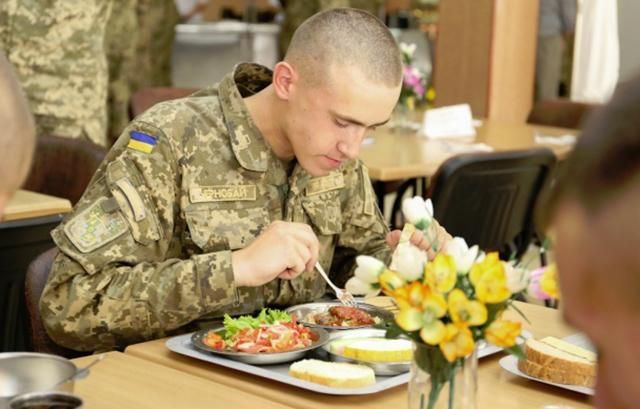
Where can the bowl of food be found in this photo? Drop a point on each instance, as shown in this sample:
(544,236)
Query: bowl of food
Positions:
(336,316)
(272,337)
(24,372)
(369,347)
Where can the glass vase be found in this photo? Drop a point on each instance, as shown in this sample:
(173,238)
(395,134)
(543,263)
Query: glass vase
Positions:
(436,383)
(403,118)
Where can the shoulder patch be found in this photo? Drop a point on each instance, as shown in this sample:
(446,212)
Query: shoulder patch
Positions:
(94,227)
(141,141)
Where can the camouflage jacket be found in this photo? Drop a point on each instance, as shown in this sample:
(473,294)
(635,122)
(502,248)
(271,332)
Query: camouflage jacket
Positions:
(57,50)
(147,249)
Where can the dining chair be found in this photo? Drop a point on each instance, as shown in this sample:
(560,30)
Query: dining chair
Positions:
(35,280)
(145,98)
(489,198)
(20,242)
(63,167)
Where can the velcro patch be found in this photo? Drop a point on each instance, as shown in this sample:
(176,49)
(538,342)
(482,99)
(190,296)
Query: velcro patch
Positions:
(94,227)
(324,184)
(222,193)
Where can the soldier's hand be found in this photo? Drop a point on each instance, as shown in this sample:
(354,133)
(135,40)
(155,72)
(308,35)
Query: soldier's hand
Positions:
(283,250)
(418,239)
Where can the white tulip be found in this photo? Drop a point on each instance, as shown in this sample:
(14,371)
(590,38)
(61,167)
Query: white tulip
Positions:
(408,261)
(368,268)
(407,49)
(417,211)
(517,278)
(358,287)
(463,256)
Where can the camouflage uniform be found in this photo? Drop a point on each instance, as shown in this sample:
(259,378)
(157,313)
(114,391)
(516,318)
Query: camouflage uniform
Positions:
(157,20)
(56,48)
(147,250)
(297,11)
(120,43)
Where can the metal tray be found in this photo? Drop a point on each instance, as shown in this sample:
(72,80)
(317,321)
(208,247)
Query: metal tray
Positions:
(264,358)
(280,372)
(302,310)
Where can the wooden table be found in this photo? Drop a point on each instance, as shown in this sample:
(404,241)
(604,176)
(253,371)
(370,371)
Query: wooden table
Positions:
(396,155)
(25,205)
(124,381)
(496,387)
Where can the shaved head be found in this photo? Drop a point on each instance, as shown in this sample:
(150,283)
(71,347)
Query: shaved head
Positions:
(17,134)
(345,37)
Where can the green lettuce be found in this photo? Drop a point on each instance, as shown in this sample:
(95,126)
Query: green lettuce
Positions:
(267,316)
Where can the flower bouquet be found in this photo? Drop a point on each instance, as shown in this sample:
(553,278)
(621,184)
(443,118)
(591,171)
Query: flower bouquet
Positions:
(448,305)
(414,87)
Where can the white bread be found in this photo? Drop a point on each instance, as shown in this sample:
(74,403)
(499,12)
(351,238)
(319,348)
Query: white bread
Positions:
(334,374)
(379,350)
(555,360)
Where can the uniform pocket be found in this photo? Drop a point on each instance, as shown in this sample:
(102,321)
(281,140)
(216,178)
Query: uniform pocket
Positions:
(324,213)
(215,229)
(123,180)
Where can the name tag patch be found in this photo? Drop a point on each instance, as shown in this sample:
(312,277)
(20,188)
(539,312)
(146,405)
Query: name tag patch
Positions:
(325,184)
(222,193)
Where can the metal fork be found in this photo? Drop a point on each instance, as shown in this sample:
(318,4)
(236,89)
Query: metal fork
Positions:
(344,296)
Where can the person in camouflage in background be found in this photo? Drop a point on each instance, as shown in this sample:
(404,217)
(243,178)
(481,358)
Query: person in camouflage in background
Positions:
(297,11)
(157,20)
(120,44)
(222,202)
(57,50)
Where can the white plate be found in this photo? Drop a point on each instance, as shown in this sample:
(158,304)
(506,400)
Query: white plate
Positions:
(510,364)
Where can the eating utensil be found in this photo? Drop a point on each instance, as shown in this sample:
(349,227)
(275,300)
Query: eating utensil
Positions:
(81,373)
(344,296)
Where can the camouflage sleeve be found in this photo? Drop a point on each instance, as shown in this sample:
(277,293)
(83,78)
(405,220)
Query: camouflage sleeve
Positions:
(121,276)
(363,226)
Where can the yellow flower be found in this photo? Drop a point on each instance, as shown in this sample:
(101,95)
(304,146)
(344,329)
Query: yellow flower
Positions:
(390,281)
(549,281)
(464,311)
(441,274)
(503,333)
(457,342)
(489,279)
(420,309)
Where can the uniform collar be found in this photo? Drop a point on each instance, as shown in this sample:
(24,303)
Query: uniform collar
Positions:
(248,143)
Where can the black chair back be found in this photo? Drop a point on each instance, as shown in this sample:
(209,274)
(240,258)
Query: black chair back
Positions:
(20,242)
(489,198)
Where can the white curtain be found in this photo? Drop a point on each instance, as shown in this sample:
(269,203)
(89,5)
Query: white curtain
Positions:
(596,58)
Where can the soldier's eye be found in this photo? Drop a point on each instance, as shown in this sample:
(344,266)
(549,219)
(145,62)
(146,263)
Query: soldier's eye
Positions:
(341,124)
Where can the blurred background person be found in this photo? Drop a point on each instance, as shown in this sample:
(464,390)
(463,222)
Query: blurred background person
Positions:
(297,11)
(58,52)
(17,135)
(595,218)
(556,25)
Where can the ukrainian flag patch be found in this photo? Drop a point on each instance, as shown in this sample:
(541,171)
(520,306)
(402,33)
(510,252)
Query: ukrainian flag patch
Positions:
(141,142)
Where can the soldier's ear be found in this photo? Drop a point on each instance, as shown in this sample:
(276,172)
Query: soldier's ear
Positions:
(285,77)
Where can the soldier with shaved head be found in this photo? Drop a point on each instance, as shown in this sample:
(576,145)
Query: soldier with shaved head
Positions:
(17,134)
(222,202)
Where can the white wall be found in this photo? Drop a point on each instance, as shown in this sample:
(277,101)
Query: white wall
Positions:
(629,29)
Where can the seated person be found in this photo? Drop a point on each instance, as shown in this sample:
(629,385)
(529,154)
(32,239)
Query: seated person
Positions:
(222,202)
(17,136)
(595,213)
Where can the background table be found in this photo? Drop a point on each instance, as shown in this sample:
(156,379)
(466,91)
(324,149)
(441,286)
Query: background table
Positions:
(124,381)
(25,204)
(396,155)
(496,387)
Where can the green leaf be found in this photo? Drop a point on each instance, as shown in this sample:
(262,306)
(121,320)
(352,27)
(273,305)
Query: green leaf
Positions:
(517,351)
(513,305)
(267,316)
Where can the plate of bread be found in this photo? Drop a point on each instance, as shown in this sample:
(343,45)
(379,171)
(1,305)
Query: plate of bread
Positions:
(568,363)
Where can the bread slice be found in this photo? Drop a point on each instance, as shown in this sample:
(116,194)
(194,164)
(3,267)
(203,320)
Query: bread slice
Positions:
(558,361)
(379,350)
(334,374)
